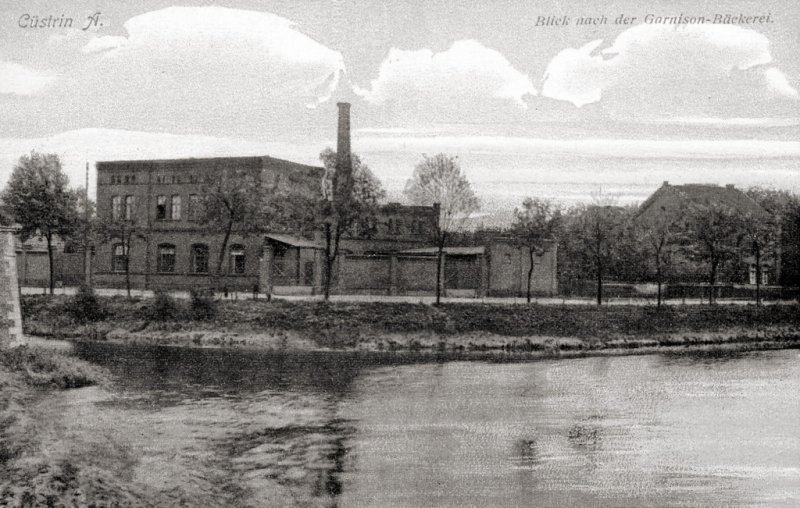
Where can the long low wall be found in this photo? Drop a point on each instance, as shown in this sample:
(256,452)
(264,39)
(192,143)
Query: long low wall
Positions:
(10,317)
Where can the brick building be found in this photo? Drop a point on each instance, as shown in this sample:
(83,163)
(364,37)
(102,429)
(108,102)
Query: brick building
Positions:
(162,198)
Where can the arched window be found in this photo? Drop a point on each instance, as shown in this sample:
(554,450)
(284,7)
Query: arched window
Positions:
(166,258)
(200,258)
(119,261)
(237,259)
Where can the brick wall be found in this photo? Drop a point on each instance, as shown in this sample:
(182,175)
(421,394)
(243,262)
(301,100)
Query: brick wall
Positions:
(10,318)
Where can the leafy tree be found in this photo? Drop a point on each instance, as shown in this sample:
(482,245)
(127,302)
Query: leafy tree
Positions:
(659,236)
(535,226)
(714,232)
(759,237)
(125,224)
(350,198)
(234,201)
(38,198)
(784,206)
(595,231)
(439,180)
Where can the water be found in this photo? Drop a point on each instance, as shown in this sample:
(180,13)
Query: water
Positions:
(266,429)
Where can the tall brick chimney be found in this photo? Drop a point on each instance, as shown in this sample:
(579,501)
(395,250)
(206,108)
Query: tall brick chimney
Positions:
(344,163)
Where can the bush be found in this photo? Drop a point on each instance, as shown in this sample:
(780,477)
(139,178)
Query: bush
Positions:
(203,305)
(163,307)
(85,306)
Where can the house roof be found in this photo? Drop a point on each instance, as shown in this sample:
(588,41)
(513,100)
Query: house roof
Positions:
(294,241)
(450,251)
(703,195)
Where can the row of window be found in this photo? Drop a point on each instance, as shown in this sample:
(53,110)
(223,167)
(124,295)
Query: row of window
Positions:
(166,258)
(167,207)
(120,179)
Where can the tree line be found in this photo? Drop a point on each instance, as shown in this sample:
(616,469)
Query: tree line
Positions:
(598,240)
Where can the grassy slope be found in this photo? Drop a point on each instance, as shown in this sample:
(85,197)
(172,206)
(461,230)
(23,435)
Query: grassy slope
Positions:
(351,324)
(30,475)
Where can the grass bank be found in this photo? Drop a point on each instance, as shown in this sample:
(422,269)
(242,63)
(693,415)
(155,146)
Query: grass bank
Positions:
(33,473)
(547,329)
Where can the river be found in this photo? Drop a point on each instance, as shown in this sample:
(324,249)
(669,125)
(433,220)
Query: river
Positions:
(241,428)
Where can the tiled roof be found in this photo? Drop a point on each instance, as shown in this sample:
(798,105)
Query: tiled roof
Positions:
(704,195)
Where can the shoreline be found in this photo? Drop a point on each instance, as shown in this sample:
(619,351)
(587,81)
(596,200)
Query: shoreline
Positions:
(454,330)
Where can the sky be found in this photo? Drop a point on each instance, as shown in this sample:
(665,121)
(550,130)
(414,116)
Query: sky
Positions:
(530,104)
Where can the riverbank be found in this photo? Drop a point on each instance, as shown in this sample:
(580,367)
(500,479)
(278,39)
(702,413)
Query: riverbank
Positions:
(38,468)
(538,330)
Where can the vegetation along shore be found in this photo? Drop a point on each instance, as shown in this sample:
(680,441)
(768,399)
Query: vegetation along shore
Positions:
(545,330)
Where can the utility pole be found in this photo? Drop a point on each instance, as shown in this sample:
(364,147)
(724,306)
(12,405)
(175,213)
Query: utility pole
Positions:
(87,255)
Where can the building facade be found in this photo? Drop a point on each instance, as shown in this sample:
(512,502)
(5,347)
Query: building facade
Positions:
(162,200)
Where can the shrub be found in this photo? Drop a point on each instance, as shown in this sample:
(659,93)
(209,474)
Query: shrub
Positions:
(85,306)
(203,305)
(163,307)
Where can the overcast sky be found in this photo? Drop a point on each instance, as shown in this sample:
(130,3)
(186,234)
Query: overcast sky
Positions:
(541,108)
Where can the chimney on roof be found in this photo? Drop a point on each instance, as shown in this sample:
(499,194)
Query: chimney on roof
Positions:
(730,186)
(665,184)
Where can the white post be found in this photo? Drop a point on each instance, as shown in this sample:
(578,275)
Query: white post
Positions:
(10,314)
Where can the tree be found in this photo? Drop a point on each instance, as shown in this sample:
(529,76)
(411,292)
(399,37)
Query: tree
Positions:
(350,199)
(235,201)
(759,237)
(439,180)
(126,223)
(535,226)
(596,229)
(784,206)
(659,236)
(714,231)
(38,198)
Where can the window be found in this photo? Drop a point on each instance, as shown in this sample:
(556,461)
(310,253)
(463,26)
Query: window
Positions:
(166,258)
(116,207)
(129,205)
(176,208)
(195,207)
(237,259)
(161,207)
(119,261)
(199,258)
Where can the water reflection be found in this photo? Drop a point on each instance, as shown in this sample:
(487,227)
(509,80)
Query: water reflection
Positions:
(386,430)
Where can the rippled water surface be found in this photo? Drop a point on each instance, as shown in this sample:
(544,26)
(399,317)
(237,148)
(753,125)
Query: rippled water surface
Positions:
(266,429)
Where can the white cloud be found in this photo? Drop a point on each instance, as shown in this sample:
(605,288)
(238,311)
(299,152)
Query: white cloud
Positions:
(20,80)
(667,70)
(464,74)
(210,52)
(777,82)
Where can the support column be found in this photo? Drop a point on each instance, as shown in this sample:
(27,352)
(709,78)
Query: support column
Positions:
(393,275)
(483,287)
(265,270)
(10,314)
(318,272)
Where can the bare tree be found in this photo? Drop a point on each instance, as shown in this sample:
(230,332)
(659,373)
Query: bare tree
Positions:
(38,198)
(535,226)
(124,224)
(439,180)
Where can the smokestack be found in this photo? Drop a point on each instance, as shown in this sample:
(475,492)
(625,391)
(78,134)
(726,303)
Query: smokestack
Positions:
(344,163)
